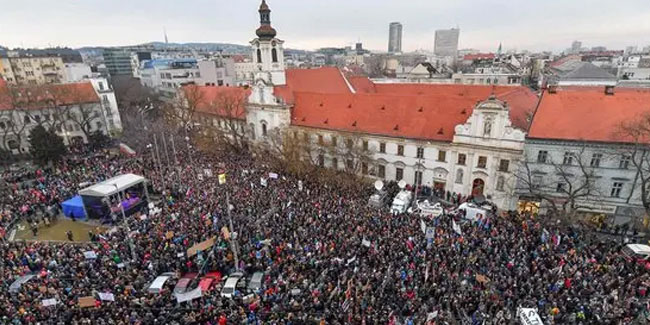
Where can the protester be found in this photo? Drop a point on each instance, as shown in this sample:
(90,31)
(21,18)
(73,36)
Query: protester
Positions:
(328,257)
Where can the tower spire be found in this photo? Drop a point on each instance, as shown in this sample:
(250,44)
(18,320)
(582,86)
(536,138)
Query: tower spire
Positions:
(165,32)
(265,31)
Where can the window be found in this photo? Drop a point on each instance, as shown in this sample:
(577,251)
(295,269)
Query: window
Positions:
(568,158)
(561,187)
(459,176)
(625,162)
(364,168)
(335,163)
(349,164)
(442,155)
(382,147)
(461,159)
(305,137)
(504,165)
(399,174)
(259,56)
(321,160)
(420,153)
(595,160)
(349,143)
(29,73)
(263,129)
(482,162)
(2,125)
(334,141)
(500,183)
(381,171)
(197,74)
(400,150)
(274,54)
(616,189)
(542,155)
(536,181)
(365,145)
(100,85)
(418,178)
(27,120)
(320,139)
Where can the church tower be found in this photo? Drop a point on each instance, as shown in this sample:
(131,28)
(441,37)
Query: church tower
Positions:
(265,111)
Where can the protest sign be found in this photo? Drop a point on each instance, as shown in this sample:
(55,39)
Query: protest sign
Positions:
(106,296)
(207,172)
(273,175)
(88,301)
(90,255)
(300,186)
(200,246)
(263,181)
(169,235)
(49,302)
(529,316)
(482,278)
(222,179)
(365,242)
(430,233)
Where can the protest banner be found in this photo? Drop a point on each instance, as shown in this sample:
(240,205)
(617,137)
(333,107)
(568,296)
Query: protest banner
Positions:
(263,181)
(482,278)
(222,179)
(529,316)
(365,242)
(273,175)
(207,172)
(200,246)
(106,296)
(90,255)
(88,301)
(49,302)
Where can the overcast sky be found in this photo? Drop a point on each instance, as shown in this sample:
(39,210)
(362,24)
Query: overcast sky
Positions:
(310,24)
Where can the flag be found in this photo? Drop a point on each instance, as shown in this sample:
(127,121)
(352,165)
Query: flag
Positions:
(456,228)
(222,179)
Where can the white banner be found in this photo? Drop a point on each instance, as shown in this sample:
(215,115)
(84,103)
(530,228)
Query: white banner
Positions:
(49,302)
(90,255)
(207,172)
(529,316)
(423,226)
(106,296)
(190,295)
(273,175)
(365,242)
(263,181)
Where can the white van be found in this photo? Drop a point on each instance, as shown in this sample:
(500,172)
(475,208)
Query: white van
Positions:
(472,211)
(401,202)
(230,286)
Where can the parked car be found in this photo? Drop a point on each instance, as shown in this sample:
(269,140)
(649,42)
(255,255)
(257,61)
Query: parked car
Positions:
(210,280)
(184,282)
(256,281)
(231,285)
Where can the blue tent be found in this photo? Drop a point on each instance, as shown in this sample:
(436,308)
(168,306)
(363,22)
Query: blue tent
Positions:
(74,205)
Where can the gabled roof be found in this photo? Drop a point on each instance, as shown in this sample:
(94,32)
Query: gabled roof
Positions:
(228,102)
(428,112)
(586,71)
(326,80)
(588,114)
(43,96)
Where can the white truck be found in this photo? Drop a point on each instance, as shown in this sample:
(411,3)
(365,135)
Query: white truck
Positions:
(472,211)
(401,202)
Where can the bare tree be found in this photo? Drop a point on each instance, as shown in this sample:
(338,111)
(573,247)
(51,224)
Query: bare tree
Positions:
(223,118)
(564,187)
(181,110)
(636,154)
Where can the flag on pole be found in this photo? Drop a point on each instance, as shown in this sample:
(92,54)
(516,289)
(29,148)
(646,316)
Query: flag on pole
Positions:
(222,179)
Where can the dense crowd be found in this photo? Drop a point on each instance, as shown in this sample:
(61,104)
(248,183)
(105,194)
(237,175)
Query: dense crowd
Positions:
(328,257)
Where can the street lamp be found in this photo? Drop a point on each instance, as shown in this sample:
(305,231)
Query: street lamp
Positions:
(125,224)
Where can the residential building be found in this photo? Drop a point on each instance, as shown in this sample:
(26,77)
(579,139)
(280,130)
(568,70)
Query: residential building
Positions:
(166,76)
(218,71)
(31,70)
(458,138)
(245,72)
(395,38)
(576,151)
(75,72)
(576,46)
(77,112)
(578,73)
(118,61)
(446,42)
(492,75)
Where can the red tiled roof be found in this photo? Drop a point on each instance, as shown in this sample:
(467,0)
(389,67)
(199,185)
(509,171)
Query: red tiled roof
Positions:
(586,113)
(362,84)
(326,80)
(478,56)
(38,97)
(431,115)
(226,102)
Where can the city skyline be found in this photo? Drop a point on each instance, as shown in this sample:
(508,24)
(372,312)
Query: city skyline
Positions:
(484,23)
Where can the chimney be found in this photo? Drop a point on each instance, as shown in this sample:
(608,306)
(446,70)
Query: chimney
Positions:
(552,89)
(609,90)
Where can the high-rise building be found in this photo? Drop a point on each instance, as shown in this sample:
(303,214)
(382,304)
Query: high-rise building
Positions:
(118,61)
(576,46)
(446,43)
(31,70)
(395,38)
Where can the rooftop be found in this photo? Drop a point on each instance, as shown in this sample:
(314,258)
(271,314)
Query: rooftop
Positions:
(38,97)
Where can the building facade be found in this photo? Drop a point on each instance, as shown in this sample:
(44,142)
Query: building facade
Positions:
(27,70)
(395,38)
(446,42)
(118,61)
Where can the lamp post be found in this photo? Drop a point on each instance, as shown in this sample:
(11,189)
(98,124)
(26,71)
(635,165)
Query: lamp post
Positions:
(125,224)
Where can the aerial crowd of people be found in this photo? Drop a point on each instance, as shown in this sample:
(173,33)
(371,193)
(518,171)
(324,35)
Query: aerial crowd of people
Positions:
(327,256)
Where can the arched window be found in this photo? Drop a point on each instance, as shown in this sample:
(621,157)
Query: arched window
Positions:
(500,183)
(264,129)
(252,130)
(259,56)
(274,54)
(459,176)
